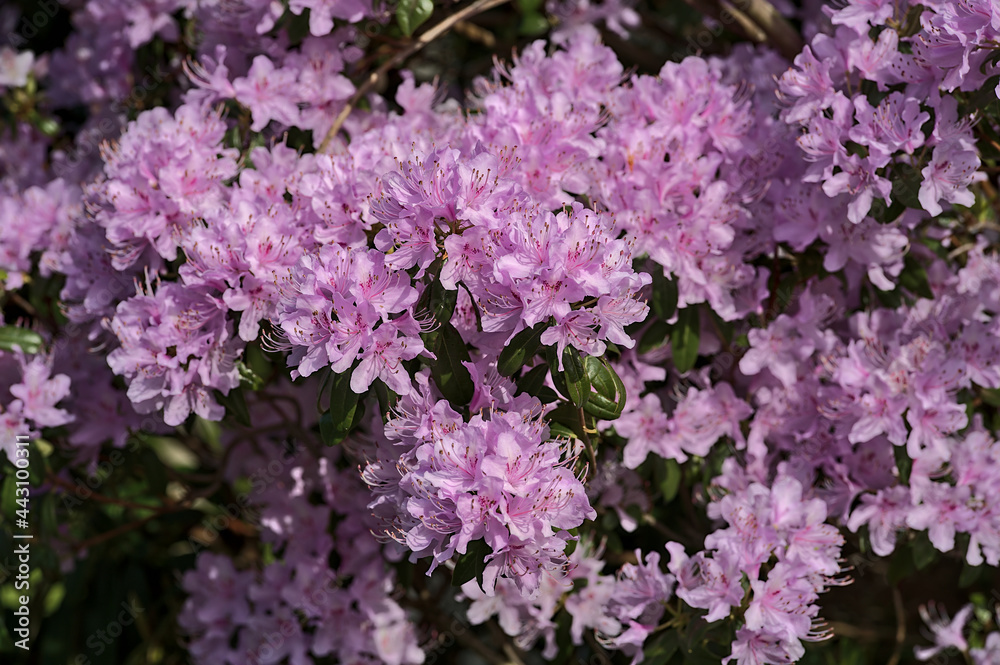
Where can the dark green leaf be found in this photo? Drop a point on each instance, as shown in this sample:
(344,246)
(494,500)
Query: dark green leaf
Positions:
(450,375)
(12,336)
(521,349)
(412,13)
(670,480)
(608,400)
(386,398)
(661,648)
(924,552)
(903,463)
(914,278)
(685,338)
(437,301)
(906,181)
(568,416)
(984,99)
(8,499)
(664,301)
(970,575)
(156,475)
(236,406)
(470,566)
(572,381)
(49,521)
(655,336)
(532,381)
(346,410)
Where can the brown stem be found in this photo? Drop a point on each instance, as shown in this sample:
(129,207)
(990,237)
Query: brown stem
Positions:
(100,498)
(897,601)
(757,19)
(117,531)
(587,443)
(416,45)
(779,31)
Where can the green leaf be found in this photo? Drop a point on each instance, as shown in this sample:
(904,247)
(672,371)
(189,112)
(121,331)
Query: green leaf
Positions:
(8,499)
(572,381)
(685,338)
(608,400)
(236,406)
(914,278)
(156,475)
(664,301)
(903,463)
(49,521)
(470,566)
(412,13)
(661,649)
(970,575)
(345,412)
(437,301)
(450,375)
(906,181)
(12,336)
(924,552)
(984,99)
(532,381)
(566,416)
(670,479)
(533,24)
(386,398)
(521,349)
(249,378)
(558,430)
(655,336)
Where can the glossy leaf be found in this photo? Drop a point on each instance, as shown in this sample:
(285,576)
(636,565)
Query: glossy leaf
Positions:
(472,564)
(664,300)
(12,336)
(411,14)
(608,399)
(450,375)
(346,410)
(520,349)
(572,381)
(685,338)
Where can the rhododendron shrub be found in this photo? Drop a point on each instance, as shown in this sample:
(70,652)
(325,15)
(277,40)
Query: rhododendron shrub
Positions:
(414,332)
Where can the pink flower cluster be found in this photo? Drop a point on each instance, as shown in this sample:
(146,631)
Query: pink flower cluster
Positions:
(442,483)
(296,608)
(763,523)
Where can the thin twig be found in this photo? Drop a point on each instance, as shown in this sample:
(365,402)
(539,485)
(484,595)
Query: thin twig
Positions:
(117,531)
(101,498)
(779,31)
(897,601)
(757,19)
(587,443)
(416,45)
